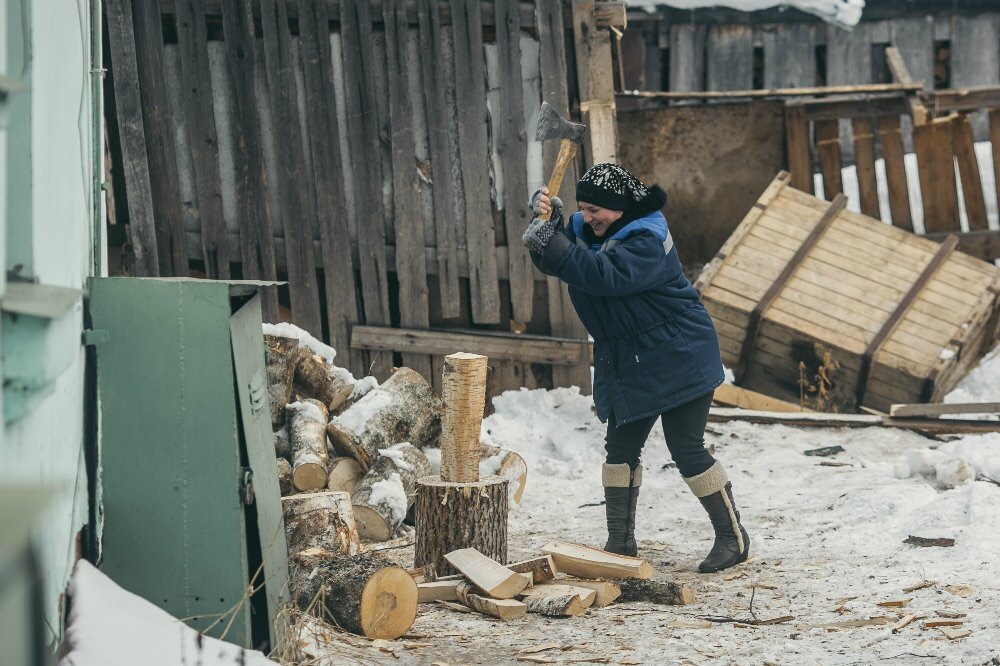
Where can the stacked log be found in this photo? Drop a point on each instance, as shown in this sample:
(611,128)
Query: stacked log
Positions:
(323,520)
(307,429)
(387,491)
(345,474)
(320,381)
(280,357)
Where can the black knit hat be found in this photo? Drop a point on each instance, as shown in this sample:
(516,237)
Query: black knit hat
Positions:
(610,186)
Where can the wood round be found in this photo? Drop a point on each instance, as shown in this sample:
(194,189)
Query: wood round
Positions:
(388,604)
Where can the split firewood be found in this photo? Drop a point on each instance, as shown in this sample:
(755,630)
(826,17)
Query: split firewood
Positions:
(282,442)
(955,634)
(388,490)
(490,576)
(365,594)
(506,464)
(345,474)
(321,520)
(654,592)
(284,477)
(586,562)
(403,409)
(607,591)
(307,430)
(438,590)
(280,354)
(541,568)
(558,600)
(322,381)
(505,609)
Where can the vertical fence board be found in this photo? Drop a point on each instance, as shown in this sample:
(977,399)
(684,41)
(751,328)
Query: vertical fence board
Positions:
(934,148)
(411,269)
(160,150)
(256,233)
(975,57)
(891,140)
(797,146)
(864,163)
(789,56)
(914,38)
(470,82)
(968,169)
(994,128)
(199,121)
(291,190)
(730,57)
(514,157)
(327,172)
(828,149)
(135,167)
(687,58)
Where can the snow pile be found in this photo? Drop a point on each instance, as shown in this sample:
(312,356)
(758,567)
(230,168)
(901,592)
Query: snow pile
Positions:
(354,419)
(391,493)
(956,462)
(307,409)
(980,385)
(490,466)
(434,458)
(109,626)
(286,330)
(395,452)
(362,386)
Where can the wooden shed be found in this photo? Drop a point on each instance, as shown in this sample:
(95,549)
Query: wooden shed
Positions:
(820,305)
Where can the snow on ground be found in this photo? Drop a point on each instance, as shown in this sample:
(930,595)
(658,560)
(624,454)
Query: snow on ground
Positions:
(826,545)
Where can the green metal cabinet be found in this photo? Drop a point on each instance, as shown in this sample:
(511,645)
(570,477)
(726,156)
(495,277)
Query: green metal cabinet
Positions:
(191,506)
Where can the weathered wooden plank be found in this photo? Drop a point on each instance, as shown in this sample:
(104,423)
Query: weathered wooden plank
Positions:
(968,169)
(864,162)
(933,144)
(438,115)
(411,268)
(914,38)
(363,138)
(729,57)
(891,141)
(199,122)
(160,150)
(975,59)
(514,157)
(799,152)
(135,165)
(687,57)
(496,345)
(320,106)
(562,318)
(828,149)
(470,78)
(789,55)
(848,56)
(594,75)
(294,212)
(256,233)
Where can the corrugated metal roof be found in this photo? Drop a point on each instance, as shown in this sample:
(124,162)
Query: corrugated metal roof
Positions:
(843,13)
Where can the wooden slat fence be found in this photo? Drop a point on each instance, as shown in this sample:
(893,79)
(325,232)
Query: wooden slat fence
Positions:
(375,155)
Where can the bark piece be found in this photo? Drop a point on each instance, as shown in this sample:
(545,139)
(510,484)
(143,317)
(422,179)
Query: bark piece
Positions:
(280,354)
(559,599)
(284,477)
(322,520)
(321,381)
(654,592)
(364,594)
(607,591)
(505,609)
(463,393)
(541,568)
(388,490)
(403,409)
(586,562)
(345,474)
(488,575)
(307,429)
(506,464)
(451,516)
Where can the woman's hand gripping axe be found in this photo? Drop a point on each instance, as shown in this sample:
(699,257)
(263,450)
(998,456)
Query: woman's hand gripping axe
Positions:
(553,126)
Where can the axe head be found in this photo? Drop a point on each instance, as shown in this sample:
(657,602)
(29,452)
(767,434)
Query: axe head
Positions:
(553,126)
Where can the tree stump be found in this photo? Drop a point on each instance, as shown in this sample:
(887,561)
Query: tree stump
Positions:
(451,516)
(388,490)
(318,380)
(280,355)
(363,594)
(307,430)
(322,520)
(403,409)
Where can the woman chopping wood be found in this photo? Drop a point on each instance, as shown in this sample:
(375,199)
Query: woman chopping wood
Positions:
(656,352)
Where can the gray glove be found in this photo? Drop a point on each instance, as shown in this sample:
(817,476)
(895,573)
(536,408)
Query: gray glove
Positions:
(538,235)
(555,202)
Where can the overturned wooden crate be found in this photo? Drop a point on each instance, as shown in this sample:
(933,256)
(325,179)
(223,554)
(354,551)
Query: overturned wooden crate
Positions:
(835,310)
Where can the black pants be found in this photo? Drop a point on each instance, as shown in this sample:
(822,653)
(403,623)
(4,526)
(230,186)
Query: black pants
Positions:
(683,428)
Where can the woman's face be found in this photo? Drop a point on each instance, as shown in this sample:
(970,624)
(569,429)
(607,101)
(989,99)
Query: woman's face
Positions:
(598,218)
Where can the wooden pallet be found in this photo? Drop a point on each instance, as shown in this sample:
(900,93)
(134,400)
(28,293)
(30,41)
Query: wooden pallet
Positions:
(901,318)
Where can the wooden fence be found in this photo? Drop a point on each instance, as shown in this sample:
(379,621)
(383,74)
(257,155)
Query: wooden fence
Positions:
(375,155)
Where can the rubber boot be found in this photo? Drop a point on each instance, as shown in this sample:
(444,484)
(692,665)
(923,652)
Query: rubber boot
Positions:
(732,544)
(621,493)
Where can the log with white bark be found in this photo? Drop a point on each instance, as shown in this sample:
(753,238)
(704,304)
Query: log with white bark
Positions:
(364,594)
(321,381)
(463,394)
(322,520)
(307,435)
(558,600)
(284,477)
(586,562)
(345,474)
(280,354)
(505,609)
(667,593)
(403,409)
(506,464)
(388,490)
(282,442)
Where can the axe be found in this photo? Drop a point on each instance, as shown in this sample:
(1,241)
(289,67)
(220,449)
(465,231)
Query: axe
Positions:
(553,126)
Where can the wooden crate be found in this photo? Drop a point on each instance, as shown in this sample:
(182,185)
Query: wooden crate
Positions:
(899,318)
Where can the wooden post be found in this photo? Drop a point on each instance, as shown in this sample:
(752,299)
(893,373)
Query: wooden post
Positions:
(463,391)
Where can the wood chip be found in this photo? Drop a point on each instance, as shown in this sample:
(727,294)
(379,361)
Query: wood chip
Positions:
(541,648)
(854,624)
(931,624)
(763,586)
(537,660)
(457,607)
(955,634)
(690,624)
(898,603)
(775,620)
(825,451)
(902,623)
(919,586)
(924,542)
(960,590)
(948,613)
(416,646)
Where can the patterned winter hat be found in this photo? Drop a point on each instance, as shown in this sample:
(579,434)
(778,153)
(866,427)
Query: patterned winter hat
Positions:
(609,186)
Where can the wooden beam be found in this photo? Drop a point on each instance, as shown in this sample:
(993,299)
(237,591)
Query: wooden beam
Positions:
(734,396)
(962,99)
(902,75)
(852,106)
(498,346)
(776,92)
(984,244)
(823,420)
(934,410)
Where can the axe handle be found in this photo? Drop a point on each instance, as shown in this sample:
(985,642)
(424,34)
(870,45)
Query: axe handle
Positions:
(567,151)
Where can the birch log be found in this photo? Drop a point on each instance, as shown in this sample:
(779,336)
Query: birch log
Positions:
(280,355)
(463,393)
(307,434)
(345,474)
(321,520)
(284,477)
(506,464)
(321,381)
(388,490)
(403,409)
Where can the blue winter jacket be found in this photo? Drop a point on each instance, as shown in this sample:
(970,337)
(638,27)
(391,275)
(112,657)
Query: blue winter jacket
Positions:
(655,347)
